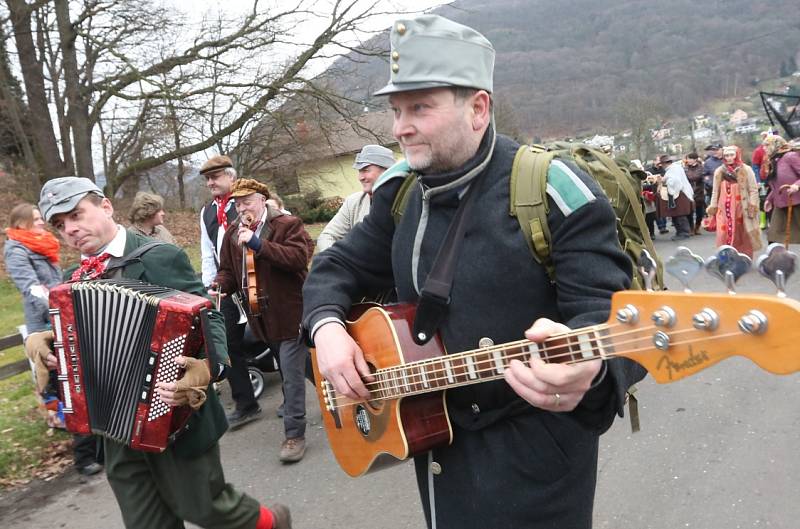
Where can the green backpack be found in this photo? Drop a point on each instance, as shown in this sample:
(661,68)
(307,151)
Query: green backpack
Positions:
(528,201)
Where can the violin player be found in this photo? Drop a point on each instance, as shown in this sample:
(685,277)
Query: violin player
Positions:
(281,249)
(215,218)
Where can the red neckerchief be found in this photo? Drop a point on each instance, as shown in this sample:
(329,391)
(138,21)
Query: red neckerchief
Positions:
(91,268)
(222,205)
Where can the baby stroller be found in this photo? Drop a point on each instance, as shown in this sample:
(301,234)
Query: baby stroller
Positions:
(260,360)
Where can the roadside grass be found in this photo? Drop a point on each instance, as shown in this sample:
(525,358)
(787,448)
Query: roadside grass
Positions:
(25,440)
(10,317)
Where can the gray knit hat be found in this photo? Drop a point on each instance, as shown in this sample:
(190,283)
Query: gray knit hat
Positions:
(374,155)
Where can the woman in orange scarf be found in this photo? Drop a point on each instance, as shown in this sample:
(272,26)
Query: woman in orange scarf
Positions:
(734,201)
(31,256)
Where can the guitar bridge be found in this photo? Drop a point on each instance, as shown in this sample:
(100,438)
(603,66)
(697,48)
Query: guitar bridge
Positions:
(329,399)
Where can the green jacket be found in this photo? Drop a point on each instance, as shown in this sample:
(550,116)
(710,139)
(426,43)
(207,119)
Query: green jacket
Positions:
(169,266)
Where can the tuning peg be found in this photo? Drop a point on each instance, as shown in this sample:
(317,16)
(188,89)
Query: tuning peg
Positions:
(647,268)
(728,265)
(777,264)
(684,266)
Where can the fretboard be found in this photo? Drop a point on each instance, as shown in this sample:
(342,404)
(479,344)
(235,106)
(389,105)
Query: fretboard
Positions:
(489,363)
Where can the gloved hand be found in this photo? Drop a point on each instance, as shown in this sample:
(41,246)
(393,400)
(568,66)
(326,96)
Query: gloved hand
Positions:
(39,349)
(190,389)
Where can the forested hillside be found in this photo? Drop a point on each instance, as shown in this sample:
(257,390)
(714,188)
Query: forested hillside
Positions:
(569,66)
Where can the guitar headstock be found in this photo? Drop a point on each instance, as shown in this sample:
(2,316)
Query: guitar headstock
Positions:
(676,334)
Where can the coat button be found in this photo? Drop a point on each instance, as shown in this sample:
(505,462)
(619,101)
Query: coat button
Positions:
(436,468)
(475,409)
(401,29)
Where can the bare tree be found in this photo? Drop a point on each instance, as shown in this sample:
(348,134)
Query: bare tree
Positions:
(124,74)
(640,113)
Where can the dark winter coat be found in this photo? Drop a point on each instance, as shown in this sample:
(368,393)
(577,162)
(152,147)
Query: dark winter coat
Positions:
(511,464)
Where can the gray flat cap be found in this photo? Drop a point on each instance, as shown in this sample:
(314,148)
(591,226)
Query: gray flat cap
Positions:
(61,195)
(374,155)
(431,51)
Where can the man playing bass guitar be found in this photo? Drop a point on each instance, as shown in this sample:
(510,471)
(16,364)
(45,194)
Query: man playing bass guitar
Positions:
(524,449)
(281,251)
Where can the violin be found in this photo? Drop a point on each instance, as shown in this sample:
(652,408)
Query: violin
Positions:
(249,282)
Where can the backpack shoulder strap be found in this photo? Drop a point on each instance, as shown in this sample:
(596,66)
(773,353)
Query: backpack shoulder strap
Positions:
(401,198)
(528,200)
(121,262)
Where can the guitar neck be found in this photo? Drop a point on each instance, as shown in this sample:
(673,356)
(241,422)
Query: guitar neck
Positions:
(489,363)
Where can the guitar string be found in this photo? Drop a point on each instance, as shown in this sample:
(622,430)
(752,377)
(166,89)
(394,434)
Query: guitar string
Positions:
(383,393)
(567,347)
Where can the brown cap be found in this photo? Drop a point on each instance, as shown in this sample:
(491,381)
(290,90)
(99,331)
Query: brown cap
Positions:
(665,159)
(215,163)
(247,186)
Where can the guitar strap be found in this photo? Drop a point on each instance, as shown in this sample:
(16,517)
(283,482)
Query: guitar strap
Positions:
(434,298)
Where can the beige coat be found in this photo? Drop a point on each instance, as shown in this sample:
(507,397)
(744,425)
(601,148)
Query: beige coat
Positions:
(748,187)
(354,208)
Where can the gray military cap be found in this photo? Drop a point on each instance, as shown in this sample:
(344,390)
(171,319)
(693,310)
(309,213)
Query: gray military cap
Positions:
(374,155)
(431,51)
(61,195)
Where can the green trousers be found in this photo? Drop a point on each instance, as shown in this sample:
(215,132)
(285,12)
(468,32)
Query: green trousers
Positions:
(163,490)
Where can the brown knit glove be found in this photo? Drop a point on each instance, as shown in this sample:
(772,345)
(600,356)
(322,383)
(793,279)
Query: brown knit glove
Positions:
(38,347)
(191,388)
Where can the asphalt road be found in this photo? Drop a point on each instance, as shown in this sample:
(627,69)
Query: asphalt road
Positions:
(716,451)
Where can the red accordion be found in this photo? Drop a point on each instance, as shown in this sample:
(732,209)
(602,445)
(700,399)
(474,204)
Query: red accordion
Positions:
(114,339)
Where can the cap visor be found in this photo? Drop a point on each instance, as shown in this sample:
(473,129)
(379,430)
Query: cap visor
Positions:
(393,88)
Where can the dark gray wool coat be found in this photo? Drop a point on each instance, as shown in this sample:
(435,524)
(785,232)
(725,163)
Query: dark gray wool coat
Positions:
(511,465)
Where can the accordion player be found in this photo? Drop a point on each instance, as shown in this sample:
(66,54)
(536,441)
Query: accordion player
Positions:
(114,340)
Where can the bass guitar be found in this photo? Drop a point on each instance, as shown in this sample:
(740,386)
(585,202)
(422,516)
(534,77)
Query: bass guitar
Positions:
(671,334)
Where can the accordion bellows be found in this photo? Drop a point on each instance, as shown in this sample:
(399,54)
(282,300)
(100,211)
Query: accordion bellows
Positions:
(114,340)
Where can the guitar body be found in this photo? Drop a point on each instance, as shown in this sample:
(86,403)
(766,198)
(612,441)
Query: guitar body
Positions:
(366,436)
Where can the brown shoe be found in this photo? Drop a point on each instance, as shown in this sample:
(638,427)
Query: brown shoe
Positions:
(281,517)
(292,450)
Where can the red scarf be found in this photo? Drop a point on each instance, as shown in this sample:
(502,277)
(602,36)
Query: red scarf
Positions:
(43,243)
(222,205)
(91,267)
(737,162)
(730,168)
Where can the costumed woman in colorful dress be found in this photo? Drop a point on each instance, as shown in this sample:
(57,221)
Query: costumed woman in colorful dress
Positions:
(734,201)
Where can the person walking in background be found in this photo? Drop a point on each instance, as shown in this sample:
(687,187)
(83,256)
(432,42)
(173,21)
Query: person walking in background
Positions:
(276,202)
(756,161)
(734,201)
(147,217)
(783,167)
(676,197)
(32,261)
(215,217)
(710,164)
(655,172)
(281,249)
(371,162)
(694,172)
